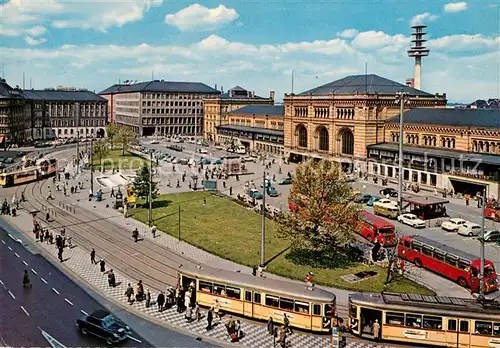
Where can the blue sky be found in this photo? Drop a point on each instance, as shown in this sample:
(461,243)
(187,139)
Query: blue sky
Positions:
(255,44)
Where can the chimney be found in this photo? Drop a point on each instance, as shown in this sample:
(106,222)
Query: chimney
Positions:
(215,87)
(249,94)
(221,89)
(230,93)
(271,95)
(253,94)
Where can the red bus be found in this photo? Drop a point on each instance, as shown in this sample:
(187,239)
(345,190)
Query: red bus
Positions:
(492,211)
(375,228)
(449,262)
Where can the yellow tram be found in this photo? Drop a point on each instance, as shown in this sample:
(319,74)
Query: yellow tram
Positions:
(42,168)
(308,308)
(429,320)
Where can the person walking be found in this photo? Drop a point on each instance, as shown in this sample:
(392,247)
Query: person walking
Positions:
(153,231)
(148,299)
(286,324)
(60,254)
(376,330)
(217,309)
(92,257)
(189,314)
(111,279)
(160,300)
(270,326)
(102,264)
(129,293)
(210,317)
(197,314)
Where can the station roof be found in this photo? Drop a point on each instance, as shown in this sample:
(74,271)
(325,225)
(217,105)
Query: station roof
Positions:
(424,200)
(162,87)
(480,118)
(263,110)
(254,130)
(364,84)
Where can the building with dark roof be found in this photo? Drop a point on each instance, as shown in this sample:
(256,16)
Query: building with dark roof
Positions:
(217,108)
(259,128)
(158,107)
(14,116)
(66,113)
(341,118)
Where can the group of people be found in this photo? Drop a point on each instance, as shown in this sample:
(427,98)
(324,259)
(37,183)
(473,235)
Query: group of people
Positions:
(279,334)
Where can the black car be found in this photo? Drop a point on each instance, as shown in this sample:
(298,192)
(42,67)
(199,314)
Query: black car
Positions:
(389,191)
(105,325)
(362,198)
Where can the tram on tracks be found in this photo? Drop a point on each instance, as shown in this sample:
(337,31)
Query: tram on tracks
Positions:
(308,308)
(428,320)
(33,171)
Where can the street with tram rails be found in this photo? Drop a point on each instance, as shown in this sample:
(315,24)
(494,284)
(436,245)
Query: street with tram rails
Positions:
(156,261)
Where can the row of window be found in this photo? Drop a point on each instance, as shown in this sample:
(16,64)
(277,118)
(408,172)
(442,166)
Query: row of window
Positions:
(83,123)
(171,120)
(438,254)
(173,96)
(286,304)
(436,323)
(172,103)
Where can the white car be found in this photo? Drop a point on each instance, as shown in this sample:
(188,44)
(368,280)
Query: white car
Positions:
(492,236)
(386,201)
(154,142)
(411,220)
(247,159)
(469,229)
(174,161)
(453,224)
(202,151)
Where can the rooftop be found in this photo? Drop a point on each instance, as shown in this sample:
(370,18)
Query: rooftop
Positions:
(483,118)
(161,86)
(7,92)
(238,92)
(266,110)
(364,84)
(58,95)
(255,130)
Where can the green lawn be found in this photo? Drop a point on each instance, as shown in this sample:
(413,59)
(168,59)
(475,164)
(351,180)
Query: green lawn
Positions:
(115,160)
(228,230)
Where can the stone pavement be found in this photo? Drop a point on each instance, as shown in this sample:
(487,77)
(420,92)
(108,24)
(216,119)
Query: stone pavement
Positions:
(254,334)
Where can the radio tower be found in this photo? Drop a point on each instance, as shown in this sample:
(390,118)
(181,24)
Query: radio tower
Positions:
(418,51)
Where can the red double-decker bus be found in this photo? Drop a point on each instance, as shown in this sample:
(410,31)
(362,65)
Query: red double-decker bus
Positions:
(375,228)
(449,262)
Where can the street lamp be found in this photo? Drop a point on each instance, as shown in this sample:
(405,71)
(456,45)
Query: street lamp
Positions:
(402,98)
(150,198)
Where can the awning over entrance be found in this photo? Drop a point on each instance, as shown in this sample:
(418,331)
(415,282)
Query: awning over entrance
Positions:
(424,200)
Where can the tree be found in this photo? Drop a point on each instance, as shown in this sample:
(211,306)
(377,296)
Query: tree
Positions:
(322,212)
(126,138)
(100,150)
(112,132)
(141,184)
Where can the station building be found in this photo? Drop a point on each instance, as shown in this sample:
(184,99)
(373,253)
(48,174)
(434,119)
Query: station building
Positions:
(257,127)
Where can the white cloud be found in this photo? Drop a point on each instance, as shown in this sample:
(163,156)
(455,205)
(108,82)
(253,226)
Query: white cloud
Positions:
(423,18)
(33,31)
(377,39)
(400,19)
(348,33)
(34,42)
(455,7)
(196,17)
(463,42)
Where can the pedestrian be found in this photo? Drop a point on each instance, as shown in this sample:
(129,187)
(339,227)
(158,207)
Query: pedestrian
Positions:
(160,300)
(129,293)
(102,264)
(92,257)
(60,254)
(47,236)
(112,191)
(197,314)
(254,271)
(51,238)
(376,330)
(210,317)
(286,324)
(237,329)
(41,237)
(189,314)
(153,231)
(70,243)
(270,326)
(282,337)
(217,309)
(111,278)
(148,299)
(47,217)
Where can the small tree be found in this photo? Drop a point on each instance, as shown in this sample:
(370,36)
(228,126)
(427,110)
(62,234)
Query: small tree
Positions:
(126,138)
(141,184)
(112,132)
(100,150)
(322,212)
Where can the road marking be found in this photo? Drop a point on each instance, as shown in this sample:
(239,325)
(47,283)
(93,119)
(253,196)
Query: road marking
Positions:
(25,311)
(10,236)
(133,338)
(3,241)
(32,270)
(71,303)
(10,248)
(57,292)
(43,280)
(84,313)
(17,255)
(12,295)
(25,263)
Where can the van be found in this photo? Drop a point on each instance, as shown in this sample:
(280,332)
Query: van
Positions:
(388,210)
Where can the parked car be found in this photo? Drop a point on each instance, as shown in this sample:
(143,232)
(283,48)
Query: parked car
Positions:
(247,159)
(453,224)
(362,198)
(154,142)
(267,183)
(372,200)
(387,201)
(411,220)
(389,191)
(205,161)
(204,151)
(174,160)
(271,191)
(217,161)
(219,147)
(469,229)
(492,236)
(253,193)
(285,181)
(104,325)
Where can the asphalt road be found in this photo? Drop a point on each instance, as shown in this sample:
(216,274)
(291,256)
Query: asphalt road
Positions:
(55,302)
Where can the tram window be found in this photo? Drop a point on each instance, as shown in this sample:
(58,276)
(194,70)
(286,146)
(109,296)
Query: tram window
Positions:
(233,293)
(452,325)
(316,309)
(464,326)
(248,296)
(413,320)
(302,307)
(393,318)
(256,297)
(427,250)
(272,301)
(483,328)
(329,310)
(219,289)
(415,247)
(496,329)
(286,304)
(435,323)
(452,261)
(353,311)
(206,287)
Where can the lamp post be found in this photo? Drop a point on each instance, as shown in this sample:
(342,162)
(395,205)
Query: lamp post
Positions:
(401,98)
(481,240)
(92,165)
(263,224)
(150,197)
